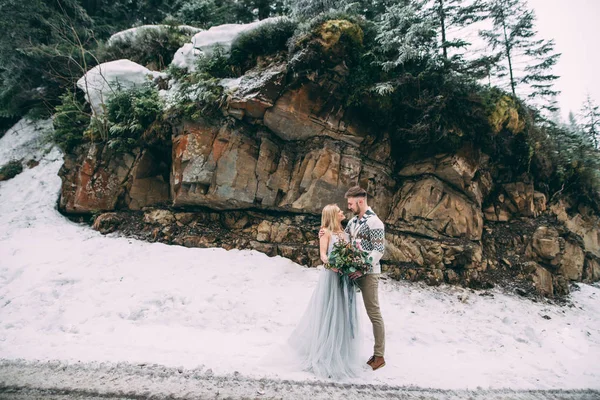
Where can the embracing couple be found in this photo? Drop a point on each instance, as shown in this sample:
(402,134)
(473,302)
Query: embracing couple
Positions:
(326,337)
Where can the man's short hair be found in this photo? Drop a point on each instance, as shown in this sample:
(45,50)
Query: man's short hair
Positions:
(356,191)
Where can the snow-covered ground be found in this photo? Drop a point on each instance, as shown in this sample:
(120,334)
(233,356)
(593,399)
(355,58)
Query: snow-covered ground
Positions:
(70,294)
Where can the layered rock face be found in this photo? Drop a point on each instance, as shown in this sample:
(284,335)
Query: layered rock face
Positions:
(96,179)
(260,177)
(295,150)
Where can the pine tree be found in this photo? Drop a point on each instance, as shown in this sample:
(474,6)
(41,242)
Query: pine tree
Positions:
(454,14)
(39,52)
(306,9)
(452,20)
(207,13)
(371,10)
(513,34)
(436,30)
(590,116)
(572,124)
(404,35)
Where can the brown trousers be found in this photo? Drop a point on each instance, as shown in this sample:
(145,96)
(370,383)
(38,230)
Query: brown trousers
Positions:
(369,285)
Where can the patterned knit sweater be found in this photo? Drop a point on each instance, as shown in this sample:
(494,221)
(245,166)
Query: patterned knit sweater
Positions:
(369,231)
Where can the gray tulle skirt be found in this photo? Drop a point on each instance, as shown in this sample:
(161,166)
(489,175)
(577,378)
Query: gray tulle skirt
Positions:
(327,337)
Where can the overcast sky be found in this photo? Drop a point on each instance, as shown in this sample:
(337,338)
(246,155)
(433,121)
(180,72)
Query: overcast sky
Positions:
(573,24)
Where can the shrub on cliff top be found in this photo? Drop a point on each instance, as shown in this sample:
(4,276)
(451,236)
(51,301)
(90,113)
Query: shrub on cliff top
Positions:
(199,95)
(334,36)
(505,115)
(131,116)
(216,64)
(10,170)
(268,38)
(152,47)
(71,119)
(563,162)
(130,113)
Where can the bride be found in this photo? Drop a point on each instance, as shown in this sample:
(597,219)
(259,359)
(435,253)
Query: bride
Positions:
(327,336)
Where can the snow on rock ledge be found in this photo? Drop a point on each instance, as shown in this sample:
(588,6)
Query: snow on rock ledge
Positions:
(185,56)
(204,42)
(132,33)
(103,80)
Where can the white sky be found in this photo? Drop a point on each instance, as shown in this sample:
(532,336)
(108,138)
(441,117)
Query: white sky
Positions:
(573,25)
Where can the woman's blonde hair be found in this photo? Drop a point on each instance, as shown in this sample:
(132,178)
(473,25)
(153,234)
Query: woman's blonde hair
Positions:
(329,218)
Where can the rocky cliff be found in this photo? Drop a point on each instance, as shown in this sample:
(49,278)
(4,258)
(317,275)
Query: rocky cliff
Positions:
(285,145)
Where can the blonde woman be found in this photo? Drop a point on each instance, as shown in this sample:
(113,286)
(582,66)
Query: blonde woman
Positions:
(327,336)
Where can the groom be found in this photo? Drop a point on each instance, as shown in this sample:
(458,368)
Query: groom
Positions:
(367,231)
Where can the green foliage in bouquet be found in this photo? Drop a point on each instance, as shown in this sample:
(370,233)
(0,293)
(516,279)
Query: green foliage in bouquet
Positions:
(348,259)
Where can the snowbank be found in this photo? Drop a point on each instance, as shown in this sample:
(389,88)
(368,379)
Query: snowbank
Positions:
(185,57)
(205,42)
(25,140)
(130,34)
(103,80)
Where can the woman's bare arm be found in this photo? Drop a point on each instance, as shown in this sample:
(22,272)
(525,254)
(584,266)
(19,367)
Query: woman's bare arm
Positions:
(323,245)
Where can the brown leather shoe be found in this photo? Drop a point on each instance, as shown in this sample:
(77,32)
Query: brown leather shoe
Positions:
(376,362)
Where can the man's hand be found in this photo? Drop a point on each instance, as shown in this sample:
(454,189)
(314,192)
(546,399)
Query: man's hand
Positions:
(355,275)
(321,232)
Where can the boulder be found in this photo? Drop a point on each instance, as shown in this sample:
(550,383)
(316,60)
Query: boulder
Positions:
(542,279)
(571,266)
(100,82)
(431,208)
(97,179)
(539,203)
(106,222)
(585,224)
(560,284)
(256,92)
(458,170)
(264,231)
(591,270)
(519,198)
(310,111)
(514,200)
(94,179)
(401,248)
(465,255)
(545,244)
(159,217)
(432,254)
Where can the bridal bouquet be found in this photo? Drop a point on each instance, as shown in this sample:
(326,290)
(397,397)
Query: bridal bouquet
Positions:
(347,259)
